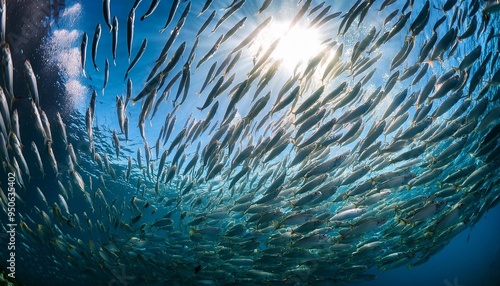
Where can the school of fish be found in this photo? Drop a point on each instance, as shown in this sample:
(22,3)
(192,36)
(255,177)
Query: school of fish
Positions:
(373,153)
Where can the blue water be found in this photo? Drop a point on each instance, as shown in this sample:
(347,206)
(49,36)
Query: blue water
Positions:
(63,254)
(471,258)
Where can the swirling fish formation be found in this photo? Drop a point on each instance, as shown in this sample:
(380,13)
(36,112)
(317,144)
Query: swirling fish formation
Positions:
(373,153)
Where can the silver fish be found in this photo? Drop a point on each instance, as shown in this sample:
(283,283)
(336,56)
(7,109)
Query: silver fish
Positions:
(171,13)
(83,52)
(120,112)
(32,82)
(3,19)
(106,75)
(95,44)
(152,8)
(61,127)
(106,10)
(8,70)
(52,159)
(137,57)
(114,41)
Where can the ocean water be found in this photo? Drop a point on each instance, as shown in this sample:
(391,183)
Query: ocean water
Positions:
(201,226)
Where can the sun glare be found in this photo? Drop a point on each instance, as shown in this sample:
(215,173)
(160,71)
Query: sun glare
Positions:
(296,46)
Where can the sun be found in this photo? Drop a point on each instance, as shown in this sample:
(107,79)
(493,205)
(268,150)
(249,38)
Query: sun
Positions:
(296,46)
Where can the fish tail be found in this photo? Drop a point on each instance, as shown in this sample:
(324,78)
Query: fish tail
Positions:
(294,142)
(342,236)
(278,225)
(192,231)
(440,184)
(429,62)
(404,221)
(396,208)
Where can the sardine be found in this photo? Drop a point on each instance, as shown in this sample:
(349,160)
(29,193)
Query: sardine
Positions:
(95,44)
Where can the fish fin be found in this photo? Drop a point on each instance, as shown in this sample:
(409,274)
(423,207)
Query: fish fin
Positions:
(342,236)
(192,231)
(429,62)
(404,221)
(278,225)
(456,69)
(439,9)
(440,60)
(396,208)
(294,142)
